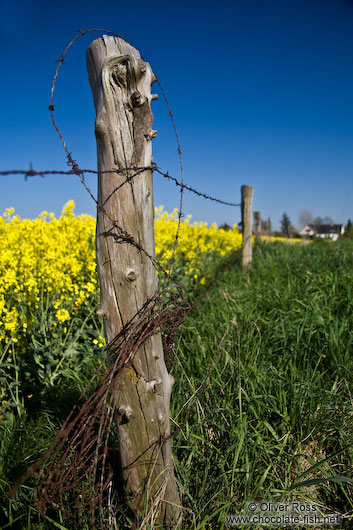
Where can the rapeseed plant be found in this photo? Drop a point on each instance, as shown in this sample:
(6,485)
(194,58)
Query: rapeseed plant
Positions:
(53,260)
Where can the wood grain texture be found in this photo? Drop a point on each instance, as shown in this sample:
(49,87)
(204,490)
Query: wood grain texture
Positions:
(120,82)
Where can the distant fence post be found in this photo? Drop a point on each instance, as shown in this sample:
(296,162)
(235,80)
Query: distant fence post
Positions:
(257,224)
(120,81)
(246,206)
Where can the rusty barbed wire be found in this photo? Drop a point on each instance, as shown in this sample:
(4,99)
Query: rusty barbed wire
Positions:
(32,173)
(80,449)
(193,190)
(75,472)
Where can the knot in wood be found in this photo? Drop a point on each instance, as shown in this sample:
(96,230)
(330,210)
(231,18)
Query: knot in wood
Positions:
(101,312)
(160,416)
(153,386)
(152,134)
(131,275)
(126,415)
(136,99)
(156,386)
(119,74)
(100,128)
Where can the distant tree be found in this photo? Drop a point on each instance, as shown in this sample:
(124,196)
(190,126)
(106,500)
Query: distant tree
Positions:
(305,218)
(318,221)
(285,225)
(348,233)
(266,226)
(328,220)
(225,226)
(269,226)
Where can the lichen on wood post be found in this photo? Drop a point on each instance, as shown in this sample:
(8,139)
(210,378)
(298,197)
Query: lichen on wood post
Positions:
(246,207)
(120,81)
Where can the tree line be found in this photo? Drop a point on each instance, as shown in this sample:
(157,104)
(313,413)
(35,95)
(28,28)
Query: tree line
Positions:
(287,229)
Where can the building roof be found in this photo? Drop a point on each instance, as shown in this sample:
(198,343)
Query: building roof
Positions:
(327,229)
(311,230)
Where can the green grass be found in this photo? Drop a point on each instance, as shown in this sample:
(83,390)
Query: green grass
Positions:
(283,340)
(275,345)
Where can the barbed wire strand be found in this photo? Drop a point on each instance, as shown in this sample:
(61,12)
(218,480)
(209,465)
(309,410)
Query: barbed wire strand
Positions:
(32,173)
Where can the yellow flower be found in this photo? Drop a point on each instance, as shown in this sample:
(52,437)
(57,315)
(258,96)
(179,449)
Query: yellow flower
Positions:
(68,209)
(90,287)
(62,315)
(9,211)
(10,319)
(100,342)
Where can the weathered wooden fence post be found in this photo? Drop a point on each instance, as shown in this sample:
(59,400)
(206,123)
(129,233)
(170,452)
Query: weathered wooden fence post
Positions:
(120,81)
(257,224)
(246,206)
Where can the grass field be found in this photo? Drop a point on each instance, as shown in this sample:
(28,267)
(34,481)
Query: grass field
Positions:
(275,346)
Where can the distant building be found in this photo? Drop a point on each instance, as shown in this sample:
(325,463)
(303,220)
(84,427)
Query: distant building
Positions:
(324,231)
(307,231)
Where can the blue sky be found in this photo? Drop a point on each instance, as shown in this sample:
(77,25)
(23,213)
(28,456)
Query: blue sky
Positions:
(261,91)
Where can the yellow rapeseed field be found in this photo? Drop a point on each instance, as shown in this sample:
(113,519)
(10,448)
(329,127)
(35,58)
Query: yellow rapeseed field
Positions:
(271,239)
(44,257)
(194,240)
(52,261)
